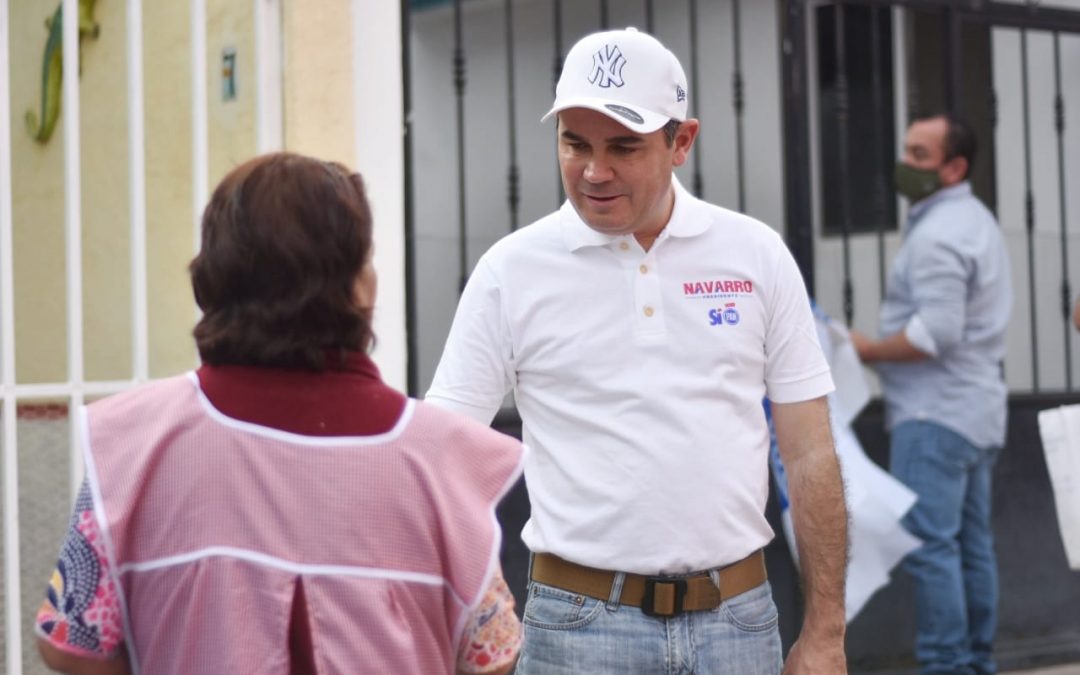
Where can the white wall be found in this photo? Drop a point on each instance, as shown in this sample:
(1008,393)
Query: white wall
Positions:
(380,158)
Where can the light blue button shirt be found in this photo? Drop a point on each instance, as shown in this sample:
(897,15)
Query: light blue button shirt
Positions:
(950,293)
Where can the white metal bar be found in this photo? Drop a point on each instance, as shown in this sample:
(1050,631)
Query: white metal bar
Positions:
(268,93)
(73,227)
(12,591)
(65,389)
(199,135)
(137,193)
(378,110)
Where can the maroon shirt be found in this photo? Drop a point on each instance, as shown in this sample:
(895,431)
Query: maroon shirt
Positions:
(306,402)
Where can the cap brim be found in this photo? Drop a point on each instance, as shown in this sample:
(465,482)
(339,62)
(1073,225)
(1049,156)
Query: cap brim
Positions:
(633,118)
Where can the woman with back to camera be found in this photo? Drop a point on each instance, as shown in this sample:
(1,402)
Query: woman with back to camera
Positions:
(281,509)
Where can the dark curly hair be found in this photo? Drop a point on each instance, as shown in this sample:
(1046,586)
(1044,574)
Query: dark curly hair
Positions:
(284,239)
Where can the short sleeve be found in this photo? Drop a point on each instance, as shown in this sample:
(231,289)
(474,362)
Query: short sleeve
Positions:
(492,637)
(476,369)
(795,366)
(81,611)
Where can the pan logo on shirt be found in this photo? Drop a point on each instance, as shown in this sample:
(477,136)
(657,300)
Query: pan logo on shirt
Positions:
(724,315)
(717,288)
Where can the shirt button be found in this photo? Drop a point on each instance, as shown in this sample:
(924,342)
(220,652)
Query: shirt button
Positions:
(644,269)
(624,246)
(649,311)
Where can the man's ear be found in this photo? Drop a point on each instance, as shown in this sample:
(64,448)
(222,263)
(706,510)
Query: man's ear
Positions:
(954,170)
(684,140)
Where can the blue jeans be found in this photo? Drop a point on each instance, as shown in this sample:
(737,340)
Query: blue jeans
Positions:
(955,571)
(567,633)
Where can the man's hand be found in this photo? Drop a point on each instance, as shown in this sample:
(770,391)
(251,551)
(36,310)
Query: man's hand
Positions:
(822,657)
(896,347)
(862,345)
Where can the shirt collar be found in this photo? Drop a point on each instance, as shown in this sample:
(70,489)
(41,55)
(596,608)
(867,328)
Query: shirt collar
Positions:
(682,223)
(343,361)
(920,208)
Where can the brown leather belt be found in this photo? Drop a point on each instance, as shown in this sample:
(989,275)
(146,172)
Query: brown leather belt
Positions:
(656,596)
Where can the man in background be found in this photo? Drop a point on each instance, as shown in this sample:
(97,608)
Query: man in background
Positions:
(942,340)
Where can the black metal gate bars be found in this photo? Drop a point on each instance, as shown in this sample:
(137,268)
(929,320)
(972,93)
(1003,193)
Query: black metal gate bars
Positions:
(949,57)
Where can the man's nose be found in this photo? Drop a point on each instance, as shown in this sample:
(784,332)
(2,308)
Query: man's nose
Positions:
(598,170)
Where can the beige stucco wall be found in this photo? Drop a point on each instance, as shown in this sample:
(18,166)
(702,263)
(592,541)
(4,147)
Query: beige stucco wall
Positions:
(37,209)
(317,81)
(231,136)
(105,212)
(230,24)
(169,221)
(38,185)
(319,117)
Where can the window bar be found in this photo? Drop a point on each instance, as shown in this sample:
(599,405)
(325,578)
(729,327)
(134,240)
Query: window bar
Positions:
(512,194)
(650,17)
(796,135)
(738,102)
(557,27)
(412,363)
(992,104)
(954,62)
(1066,293)
(72,233)
(268,127)
(911,50)
(140,367)
(200,145)
(459,92)
(842,142)
(11,563)
(1029,204)
(604,15)
(880,189)
(698,186)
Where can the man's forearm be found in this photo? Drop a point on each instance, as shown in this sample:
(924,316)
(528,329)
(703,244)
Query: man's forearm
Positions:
(896,347)
(820,518)
(820,521)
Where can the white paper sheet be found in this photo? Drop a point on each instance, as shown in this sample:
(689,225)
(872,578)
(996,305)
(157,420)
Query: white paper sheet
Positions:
(1060,432)
(876,501)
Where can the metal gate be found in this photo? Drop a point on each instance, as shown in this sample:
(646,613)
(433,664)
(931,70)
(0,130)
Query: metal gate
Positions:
(951,57)
(480,164)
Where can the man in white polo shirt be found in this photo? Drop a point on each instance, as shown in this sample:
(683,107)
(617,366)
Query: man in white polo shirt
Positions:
(639,329)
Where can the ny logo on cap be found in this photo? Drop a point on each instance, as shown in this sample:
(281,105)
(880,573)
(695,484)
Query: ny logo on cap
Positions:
(607,67)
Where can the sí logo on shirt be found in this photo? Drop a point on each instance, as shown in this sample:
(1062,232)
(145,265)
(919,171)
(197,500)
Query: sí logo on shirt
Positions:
(726,314)
(717,288)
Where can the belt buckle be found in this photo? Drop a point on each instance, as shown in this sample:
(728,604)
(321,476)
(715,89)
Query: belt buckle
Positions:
(648,600)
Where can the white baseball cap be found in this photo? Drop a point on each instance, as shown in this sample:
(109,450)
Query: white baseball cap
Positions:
(625,74)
